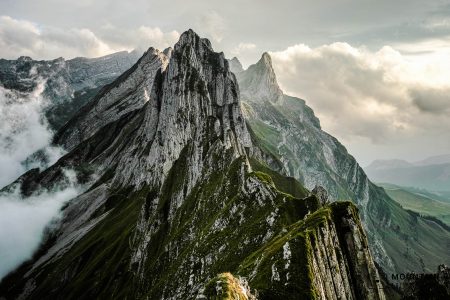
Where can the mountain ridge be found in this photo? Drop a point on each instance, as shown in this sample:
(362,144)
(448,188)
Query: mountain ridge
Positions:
(176,197)
(432,160)
(136,84)
(68,83)
(294,144)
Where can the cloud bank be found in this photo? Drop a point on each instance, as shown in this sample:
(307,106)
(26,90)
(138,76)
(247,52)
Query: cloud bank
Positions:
(23,131)
(381,98)
(23,222)
(22,37)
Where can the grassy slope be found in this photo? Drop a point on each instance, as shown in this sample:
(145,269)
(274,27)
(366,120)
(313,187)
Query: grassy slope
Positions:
(268,137)
(98,266)
(413,243)
(420,204)
(438,196)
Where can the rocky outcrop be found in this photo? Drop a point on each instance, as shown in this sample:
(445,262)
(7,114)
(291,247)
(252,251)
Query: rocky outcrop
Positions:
(173,199)
(127,93)
(321,194)
(235,65)
(260,81)
(226,286)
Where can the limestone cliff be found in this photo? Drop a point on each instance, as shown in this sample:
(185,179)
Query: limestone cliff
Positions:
(175,205)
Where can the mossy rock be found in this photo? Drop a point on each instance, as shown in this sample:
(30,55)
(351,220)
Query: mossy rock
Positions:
(225,287)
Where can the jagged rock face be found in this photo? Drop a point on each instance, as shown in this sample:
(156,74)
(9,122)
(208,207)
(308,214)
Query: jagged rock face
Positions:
(99,71)
(235,65)
(260,81)
(196,99)
(176,200)
(127,93)
(76,74)
(289,130)
(291,138)
(69,84)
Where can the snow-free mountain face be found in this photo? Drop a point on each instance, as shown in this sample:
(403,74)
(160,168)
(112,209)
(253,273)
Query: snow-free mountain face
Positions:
(127,93)
(259,81)
(293,143)
(235,65)
(178,206)
(68,84)
(435,160)
(388,164)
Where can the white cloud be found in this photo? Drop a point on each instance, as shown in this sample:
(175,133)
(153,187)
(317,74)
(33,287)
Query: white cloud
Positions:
(156,38)
(385,96)
(140,38)
(21,37)
(213,25)
(242,48)
(439,23)
(23,222)
(23,131)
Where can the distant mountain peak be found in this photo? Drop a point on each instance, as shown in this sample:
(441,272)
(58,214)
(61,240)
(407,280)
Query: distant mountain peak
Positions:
(264,64)
(381,164)
(235,65)
(266,59)
(259,80)
(434,160)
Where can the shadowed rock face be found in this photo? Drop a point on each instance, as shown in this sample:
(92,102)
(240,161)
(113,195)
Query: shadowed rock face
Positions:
(292,142)
(428,286)
(177,204)
(129,92)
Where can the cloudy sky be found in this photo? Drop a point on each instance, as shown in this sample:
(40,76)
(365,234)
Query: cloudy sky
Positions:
(377,73)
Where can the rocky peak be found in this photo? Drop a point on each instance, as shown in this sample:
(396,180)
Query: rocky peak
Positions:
(260,82)
(168,51)
(129,92)
(24,59)
(266,60)
(235,65)
(190,38)
(194,101)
